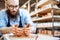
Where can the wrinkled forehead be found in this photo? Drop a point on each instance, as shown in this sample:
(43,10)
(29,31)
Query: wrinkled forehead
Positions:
(12,2)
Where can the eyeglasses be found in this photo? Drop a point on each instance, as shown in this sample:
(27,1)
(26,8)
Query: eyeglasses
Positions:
(12,6)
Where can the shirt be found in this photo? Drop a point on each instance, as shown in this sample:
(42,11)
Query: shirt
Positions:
(25,19)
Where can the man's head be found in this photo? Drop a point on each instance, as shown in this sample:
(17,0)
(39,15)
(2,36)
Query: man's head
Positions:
(12,6)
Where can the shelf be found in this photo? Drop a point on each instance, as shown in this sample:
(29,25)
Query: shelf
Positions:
(46,10)
(57,19)
(43,18)
(56,24)
(44,2)
(42,11)
(57,34)
(57,11)
(44,25)
(33,13)
(48,25)
(57,16)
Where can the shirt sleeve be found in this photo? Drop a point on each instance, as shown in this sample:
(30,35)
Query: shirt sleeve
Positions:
(2,21)
(29,21)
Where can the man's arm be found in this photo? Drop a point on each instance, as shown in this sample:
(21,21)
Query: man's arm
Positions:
(3,23)
(2,20)
(29,21)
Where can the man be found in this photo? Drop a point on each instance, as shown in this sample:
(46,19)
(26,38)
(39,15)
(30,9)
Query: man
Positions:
(13,15)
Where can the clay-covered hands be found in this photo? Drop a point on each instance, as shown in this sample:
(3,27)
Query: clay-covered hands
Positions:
(27,30)
(21,31)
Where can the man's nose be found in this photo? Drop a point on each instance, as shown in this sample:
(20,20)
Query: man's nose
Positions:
(14,9)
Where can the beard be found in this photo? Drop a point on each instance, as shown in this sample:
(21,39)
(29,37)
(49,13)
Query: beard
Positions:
(10,15)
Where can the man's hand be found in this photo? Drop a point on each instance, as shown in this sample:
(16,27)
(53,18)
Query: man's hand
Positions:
(21,31)
(27,30)
(17,31)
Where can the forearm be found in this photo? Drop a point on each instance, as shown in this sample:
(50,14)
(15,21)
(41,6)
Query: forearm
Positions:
(5,30)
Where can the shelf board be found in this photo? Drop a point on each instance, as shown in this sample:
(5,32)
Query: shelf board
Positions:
(44,26)
(42,3)
(33,13)
(56,24)
(57,19)
(57,11)
(45,11)
(58,16)
(47,18)
(49,25)
(43,18)
(49,9)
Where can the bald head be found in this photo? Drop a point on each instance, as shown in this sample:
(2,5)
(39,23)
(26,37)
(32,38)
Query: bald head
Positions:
(12,6)
(12,2)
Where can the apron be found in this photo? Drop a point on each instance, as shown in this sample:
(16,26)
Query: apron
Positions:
(20,23)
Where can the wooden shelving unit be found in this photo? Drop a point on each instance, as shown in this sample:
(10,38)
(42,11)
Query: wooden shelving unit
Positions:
(43,18)
(46,15)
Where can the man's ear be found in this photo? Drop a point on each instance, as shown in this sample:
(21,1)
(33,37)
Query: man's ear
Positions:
(6,4)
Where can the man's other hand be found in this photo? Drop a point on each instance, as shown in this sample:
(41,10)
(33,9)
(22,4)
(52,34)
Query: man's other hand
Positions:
(21,31)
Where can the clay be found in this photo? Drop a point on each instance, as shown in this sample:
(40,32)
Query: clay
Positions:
(21,31)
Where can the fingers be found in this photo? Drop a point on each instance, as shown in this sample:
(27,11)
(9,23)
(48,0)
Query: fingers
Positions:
(18,32)
(28,25)
(15,25)
(27,31)
(21,31)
